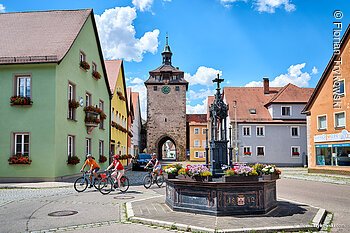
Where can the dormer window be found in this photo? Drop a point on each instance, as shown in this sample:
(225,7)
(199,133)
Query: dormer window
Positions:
(252,111)
(286,111)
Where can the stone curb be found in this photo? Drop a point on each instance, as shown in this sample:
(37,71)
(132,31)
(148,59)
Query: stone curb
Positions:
(315,226)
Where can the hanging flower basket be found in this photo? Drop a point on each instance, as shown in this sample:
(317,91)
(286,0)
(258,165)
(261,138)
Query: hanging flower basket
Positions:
(19,100)
(73,104)
(96,75)
(19,159)
(84,65)
(73,160)
(102,159)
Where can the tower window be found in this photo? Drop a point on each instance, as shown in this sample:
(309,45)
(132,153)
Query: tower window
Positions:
(155,88)
(177,88)
(165,119)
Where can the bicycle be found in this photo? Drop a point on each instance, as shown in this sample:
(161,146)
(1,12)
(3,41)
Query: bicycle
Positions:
(81,184)
(148,180)
(107,184)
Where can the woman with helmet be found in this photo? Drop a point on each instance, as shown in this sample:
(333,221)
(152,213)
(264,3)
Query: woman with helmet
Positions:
(118,169)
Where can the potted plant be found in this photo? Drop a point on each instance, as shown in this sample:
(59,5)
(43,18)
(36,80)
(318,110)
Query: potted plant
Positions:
(270,172)
(240,173)
(102,159)
(19,159)
(20,100)
(172,170)
(96,74)
(73,160)
(199,172)
(73,103)
(84,65)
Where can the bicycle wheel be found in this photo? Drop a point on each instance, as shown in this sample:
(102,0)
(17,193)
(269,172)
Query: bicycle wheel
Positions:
(124,184)
(80,184)
(147,181)
(160,180)
(105,186)
(96,182)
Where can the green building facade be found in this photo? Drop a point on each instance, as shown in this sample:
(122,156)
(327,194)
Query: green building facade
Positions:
(40,138)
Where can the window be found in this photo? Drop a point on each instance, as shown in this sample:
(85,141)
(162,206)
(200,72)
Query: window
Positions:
(100,148)
(260,151)
(260,131)
(196,130)
(21,144)
(112,114)
(204,154)
(71,96)
(204,131)
(204,142)
(341,90)
(177,88)
(88,146)
(294,131)
(246,131)
(88,101)
(101,106)
(82,56)
(23,86)
(339,119)
(295,151)
(247,151)
(94,67)
(286,111)
(322,122)
(71,145)
(155,88)
(196,143)
(196,154)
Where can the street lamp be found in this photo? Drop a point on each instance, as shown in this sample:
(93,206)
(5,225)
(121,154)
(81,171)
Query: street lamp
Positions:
(236,142)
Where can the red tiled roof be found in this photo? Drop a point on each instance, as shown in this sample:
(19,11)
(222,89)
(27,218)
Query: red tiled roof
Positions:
(198,118)
(292,94)
(113,67)
(46,36)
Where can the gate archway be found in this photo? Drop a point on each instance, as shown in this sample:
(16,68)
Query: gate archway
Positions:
(167,149)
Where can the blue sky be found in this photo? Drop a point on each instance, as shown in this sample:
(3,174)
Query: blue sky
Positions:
(243,40)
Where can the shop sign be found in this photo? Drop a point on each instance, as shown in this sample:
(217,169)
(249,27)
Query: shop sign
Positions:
(343,136)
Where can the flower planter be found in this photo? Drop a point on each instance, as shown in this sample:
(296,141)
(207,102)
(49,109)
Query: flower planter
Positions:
(202,178)
(183,177)
(240,178)
(91,124)
(270,177)
(170,176)
(20,101)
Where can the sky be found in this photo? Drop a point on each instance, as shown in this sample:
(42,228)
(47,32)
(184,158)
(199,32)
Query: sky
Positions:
(287,41)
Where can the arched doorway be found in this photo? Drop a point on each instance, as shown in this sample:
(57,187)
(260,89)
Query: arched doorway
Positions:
(166,149)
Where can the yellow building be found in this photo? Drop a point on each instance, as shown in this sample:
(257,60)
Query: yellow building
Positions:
(119,109)
(197,124)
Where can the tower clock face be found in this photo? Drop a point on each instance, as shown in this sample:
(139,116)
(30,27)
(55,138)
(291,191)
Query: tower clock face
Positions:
(166,89)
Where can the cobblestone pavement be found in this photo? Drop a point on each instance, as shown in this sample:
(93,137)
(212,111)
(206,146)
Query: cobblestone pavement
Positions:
(302,174)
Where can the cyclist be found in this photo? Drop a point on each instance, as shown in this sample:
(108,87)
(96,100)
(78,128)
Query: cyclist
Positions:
(154,162)
(118,169)
(94,167)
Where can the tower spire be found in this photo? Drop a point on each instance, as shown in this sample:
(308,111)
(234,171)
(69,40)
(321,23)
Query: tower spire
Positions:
(166,54)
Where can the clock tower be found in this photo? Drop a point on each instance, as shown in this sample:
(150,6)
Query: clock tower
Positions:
(166,110)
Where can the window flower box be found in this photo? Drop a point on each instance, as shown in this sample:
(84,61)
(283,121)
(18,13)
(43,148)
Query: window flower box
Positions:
(119,93)
(113,124)
(96,74)
(19,159)
(73,104)
(247,153)
(73,160)
(122,98)
(19,100)
(103,116)
(296,153)
(84,65)
(102,159)
(130,134)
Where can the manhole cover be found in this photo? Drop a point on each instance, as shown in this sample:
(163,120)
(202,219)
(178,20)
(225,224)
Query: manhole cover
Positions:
(124,197)
(62,213)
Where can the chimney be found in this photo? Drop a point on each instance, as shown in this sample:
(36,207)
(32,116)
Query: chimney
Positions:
(266,86)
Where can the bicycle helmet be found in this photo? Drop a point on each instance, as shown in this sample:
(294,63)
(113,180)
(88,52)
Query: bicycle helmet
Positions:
(116,156)
(88,156)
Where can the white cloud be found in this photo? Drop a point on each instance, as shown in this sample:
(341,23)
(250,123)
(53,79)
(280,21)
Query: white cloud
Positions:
(314,70)
(228,3)
(269,6)
(197,109)
(143,5)
(203,76)
(200,94)
(137,85)
(295,75)
(2,8)
(117,35)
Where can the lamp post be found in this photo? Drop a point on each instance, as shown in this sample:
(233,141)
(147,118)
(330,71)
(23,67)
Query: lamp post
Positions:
(236,142)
